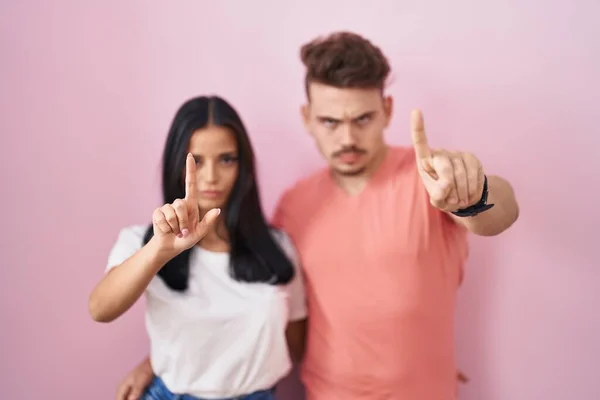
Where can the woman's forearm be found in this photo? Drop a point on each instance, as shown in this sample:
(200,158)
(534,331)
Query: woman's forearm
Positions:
(123,285)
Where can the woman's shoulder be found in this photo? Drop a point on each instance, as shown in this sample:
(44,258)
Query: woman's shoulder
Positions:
(286,243)
(280,235)
(132,233)
(129,240)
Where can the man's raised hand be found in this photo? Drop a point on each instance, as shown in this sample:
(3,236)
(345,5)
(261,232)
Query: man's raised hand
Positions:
(454,180)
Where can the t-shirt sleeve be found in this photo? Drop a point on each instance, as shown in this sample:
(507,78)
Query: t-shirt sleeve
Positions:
(129,241)
(296,286)
(456,237)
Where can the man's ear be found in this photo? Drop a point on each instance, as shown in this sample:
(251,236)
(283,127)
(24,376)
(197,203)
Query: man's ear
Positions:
(388,108)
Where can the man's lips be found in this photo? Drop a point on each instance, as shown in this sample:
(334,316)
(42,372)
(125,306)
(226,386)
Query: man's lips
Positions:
(349,157)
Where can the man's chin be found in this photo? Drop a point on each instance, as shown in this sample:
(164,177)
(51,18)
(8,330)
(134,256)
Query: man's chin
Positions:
(349,170)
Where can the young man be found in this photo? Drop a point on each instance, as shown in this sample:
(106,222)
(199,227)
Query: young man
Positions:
(382,236)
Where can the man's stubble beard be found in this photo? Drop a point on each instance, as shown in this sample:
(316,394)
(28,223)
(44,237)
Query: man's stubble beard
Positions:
(354,173)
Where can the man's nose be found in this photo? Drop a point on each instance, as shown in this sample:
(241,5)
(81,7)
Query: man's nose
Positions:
(347,135)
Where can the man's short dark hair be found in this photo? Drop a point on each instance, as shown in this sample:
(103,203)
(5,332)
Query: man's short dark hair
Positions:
(344,60)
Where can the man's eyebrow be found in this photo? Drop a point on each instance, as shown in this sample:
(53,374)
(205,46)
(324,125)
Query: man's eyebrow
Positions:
(365,114)
(328,118)
(334,119)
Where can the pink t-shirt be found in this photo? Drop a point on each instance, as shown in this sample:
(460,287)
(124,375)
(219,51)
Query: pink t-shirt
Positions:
(382,269)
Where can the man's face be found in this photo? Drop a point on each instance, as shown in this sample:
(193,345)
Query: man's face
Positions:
(347,125)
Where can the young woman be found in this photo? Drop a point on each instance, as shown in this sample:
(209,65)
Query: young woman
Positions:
(225,300)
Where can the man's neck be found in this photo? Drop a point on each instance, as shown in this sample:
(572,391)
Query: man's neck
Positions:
(355,184)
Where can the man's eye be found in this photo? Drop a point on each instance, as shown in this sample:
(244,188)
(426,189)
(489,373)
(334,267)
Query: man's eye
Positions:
(364,119)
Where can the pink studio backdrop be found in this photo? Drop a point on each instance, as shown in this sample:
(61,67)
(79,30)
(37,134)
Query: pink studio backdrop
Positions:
(88,90)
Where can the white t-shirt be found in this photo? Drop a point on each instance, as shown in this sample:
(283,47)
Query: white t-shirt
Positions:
(220,338)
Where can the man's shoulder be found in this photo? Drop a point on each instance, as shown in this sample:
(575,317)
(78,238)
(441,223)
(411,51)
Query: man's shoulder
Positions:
(297,199)
(309,184)
(398,170)
(402,156)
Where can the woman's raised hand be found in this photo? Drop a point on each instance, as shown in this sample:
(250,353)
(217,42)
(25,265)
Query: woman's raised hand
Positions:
(177,226)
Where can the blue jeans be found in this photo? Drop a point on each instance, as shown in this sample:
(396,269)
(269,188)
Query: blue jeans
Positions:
(158,391)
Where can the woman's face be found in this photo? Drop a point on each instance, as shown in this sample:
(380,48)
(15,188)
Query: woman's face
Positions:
(216,154)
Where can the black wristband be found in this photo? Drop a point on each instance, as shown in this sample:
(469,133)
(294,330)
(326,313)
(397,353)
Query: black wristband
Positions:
(478,207)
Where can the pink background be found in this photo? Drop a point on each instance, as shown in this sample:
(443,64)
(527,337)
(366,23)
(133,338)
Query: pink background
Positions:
(87,90)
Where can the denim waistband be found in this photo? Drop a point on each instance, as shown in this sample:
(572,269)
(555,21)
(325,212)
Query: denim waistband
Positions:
(158,391)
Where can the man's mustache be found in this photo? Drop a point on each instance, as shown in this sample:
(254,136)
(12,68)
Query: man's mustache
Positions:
(351,150)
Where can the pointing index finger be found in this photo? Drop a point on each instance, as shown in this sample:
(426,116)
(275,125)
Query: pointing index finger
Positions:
(190,177)
(419,138)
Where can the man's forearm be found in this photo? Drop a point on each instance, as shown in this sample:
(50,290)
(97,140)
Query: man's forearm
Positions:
(500,217)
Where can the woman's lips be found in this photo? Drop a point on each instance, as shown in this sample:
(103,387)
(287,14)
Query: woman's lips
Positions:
(210,194)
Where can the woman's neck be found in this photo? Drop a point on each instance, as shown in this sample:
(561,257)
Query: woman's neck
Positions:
(217,238)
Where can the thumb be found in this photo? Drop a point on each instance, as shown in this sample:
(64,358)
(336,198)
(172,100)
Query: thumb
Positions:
(209,219)
(438,192)
(426,165)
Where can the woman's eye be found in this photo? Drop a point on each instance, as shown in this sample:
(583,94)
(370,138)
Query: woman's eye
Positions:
(228,159)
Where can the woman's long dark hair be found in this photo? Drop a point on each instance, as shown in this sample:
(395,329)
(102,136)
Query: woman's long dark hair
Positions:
(255,255)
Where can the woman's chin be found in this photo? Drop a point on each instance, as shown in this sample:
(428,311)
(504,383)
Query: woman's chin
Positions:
(207,205)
